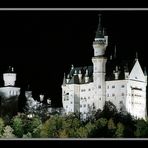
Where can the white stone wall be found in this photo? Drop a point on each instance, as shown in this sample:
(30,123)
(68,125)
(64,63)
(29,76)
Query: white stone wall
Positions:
(86,97)
(136,100)
(116,92)
(9,79)
(7,92)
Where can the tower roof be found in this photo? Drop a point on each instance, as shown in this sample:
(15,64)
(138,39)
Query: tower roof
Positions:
(99,33)
(10,69)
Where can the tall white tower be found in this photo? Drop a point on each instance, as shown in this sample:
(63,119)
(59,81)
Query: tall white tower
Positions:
(99,66)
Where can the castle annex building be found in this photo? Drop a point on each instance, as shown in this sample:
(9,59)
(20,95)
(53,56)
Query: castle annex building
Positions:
(87,88)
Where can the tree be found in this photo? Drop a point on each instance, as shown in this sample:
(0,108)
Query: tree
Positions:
(17,125)
(100,128)
(141,129)
(1,126)
(52,127)
(120,130)
(8,132)
(81,132)
(109,110)
(111,128)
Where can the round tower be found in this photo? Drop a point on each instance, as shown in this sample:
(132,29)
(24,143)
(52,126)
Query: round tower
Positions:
(9,77)
(101,40)
(99,65)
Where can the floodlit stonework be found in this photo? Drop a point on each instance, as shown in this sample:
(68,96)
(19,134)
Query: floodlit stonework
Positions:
(87,88)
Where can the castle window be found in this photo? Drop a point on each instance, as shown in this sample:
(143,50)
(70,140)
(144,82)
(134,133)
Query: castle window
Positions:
(107,95)
(66,106)
(122,94)
(99,86)
(80,105)
(113,86)
(113,95)
(89,89)
(121,102)
(88,97)
(122,86)
(84,105)
(108,87)
(99,98)
(71,102)
(81,98)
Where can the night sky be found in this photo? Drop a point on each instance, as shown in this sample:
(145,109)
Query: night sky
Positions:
(42,45)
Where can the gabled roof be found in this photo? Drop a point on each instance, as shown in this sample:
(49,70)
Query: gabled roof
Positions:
(137,72)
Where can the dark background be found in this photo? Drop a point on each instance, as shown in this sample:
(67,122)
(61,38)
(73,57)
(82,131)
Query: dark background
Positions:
(42,45)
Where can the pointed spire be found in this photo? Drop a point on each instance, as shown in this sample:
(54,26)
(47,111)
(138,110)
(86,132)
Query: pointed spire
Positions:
(99,33)
(104,31)
(126,68)
(115,52)
(136,58)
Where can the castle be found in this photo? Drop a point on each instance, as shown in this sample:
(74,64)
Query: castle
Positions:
(88,88)
(9,94)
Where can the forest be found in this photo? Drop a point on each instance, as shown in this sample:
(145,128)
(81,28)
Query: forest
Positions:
(108,123)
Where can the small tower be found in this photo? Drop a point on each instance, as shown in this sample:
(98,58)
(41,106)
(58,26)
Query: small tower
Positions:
(101,40)
(9,77)
(126,72)
(86,76)
(68,78)
(116,73)
(80,76)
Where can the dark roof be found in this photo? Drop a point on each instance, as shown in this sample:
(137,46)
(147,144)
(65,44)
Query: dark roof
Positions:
(74,79)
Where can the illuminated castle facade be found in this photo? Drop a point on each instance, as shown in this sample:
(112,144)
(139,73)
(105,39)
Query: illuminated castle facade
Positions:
(87,88)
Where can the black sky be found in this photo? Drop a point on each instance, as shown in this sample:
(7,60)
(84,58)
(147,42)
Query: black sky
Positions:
(42,45)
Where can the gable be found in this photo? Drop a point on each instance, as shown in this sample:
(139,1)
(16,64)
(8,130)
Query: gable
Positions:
(137,73)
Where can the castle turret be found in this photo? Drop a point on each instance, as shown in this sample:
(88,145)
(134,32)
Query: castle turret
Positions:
(99,65)
(9,77)
(116,73)
(9,94)
(101,40)
(126,72)
(80,76)
(86,76)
